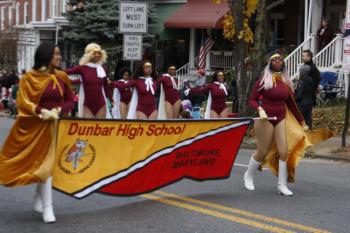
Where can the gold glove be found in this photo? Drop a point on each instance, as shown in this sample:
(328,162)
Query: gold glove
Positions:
(57,111)
(262,114)
(45,114)
(49,114)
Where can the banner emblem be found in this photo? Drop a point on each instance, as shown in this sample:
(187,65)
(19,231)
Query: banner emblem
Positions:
(77,158)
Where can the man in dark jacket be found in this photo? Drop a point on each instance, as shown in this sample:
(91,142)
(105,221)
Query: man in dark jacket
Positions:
(309,80)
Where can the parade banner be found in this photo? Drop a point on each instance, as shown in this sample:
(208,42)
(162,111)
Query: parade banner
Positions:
(126,158)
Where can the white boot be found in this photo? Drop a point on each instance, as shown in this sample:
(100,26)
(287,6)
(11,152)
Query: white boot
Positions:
(249,174)
(282,179)
(38,201)
(46,194)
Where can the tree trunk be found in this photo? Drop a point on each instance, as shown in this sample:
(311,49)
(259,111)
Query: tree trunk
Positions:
(240,53)
(259,54)
(346,122)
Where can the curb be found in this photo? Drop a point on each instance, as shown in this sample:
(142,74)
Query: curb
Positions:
(327,157)
(248,146)
(310,155)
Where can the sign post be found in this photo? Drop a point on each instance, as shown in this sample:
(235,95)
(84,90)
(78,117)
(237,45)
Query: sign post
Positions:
(346,68)
(133,22)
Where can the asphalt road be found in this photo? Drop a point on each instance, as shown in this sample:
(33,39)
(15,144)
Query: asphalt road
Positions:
(321,203)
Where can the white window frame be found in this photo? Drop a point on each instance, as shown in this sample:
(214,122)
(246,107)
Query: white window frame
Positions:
(34,6)
(43,10)
(2,23)
(25,13)
(63,4)
(53,8)
(17,13)
(10,15)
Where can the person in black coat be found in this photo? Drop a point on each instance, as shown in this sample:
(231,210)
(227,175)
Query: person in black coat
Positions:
(309,80)
(325,34)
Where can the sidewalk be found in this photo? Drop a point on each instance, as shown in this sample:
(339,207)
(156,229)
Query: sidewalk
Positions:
(329,149)
(4,113)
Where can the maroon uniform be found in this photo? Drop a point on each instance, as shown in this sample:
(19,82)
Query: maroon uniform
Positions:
(51,97)
(125,93)
(147,102)
(218,96)
(94,98)
(274,101)
(170,87)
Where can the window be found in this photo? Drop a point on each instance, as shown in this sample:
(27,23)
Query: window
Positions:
(34,6)
(26,13)
(63,7)
(53,8)
(43,10)
(2,23)
(17,13)
(10,15)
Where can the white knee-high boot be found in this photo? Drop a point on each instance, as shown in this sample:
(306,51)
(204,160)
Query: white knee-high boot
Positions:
(249,174)
(38,201)
(282,179)
(46,194)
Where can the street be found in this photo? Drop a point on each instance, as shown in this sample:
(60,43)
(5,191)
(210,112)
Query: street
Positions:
(320,204)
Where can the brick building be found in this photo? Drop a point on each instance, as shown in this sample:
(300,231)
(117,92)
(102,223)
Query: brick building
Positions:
(33,21)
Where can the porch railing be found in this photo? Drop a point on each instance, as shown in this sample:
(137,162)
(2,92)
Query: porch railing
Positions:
(332,55)
(294,59)
(184,72)
(221,60)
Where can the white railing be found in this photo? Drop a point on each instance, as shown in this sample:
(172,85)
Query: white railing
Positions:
(221,59)
(294,59)
(215,60)
(184,72)
(330,56)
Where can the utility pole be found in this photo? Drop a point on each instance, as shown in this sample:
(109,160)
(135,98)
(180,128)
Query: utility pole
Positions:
(346,66)
(347,109)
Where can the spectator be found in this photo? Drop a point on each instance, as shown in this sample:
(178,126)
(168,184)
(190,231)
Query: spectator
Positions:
(23,71)
(325,34)
(12,99)
(309,80)
(197,98)
(12,79)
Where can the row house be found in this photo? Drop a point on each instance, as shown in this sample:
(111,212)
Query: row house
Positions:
(292,27)
(33,21)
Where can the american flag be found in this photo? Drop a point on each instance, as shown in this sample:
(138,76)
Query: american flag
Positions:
(206,44)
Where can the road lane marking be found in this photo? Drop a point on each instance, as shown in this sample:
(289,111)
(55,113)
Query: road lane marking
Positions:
(216,214)
(242,212)
(240,165)
(243,165)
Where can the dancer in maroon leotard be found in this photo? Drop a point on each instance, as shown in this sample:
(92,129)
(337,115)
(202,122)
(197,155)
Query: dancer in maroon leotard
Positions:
(172,100)
(122,95)
(95,89)
(143,103)
(272,96)
(217,96)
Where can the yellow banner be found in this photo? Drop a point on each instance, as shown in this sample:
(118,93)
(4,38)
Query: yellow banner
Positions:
(89,152)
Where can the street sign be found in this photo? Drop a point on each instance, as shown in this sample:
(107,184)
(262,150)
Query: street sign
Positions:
(133,17)
(132,49)
(346,53)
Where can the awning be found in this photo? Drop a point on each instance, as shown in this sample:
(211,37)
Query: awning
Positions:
(198,14)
